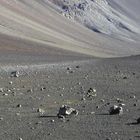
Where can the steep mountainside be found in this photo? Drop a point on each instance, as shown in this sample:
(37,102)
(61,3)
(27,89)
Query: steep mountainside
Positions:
(39,28)
(99,16)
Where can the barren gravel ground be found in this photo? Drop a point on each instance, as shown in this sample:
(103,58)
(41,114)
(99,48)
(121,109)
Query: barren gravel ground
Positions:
(50,86)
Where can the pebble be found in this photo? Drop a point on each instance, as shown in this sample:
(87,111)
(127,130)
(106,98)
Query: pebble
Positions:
(107,103)
(77,67)
(133,96)
(1,118)
(32,128)
(19,105)
(18,114)
(30,90)
(42,88)
(121,104)
(49,134)
(97,107)
(39,122)
(71,71)
(134,104)
(52,121)
(68,68)
(10,82)
(40,110)
(8,90)
(119,100)
(102,100)
(1,90)
(61,95)
(134,73)
(5,94)
(124,77)
(108,139)
(91,90)
(94,90)
(92,113)
(83,99)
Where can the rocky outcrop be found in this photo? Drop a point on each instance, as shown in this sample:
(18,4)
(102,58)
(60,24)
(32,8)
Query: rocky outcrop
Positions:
(97,15)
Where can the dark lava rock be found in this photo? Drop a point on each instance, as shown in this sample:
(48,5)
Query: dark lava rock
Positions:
(68,68)
(124,77)
(66,111)
(19,105)
(77,67)
(115,110)
(134,104)
(134,73)
(91,92)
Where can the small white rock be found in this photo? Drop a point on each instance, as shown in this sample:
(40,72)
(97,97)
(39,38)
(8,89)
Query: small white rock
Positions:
(40,110)
(94,90)
(1,90)
(10,82)
(5,94)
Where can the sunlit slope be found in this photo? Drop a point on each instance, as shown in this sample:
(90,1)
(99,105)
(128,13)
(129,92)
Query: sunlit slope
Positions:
(130,8)
(38,22)
(99,16)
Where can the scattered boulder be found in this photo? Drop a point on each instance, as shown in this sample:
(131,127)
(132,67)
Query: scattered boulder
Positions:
(66,111)
(119,100)
(15,74)
(115,110)
(91,92)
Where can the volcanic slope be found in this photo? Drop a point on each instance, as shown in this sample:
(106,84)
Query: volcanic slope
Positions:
(32,30)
